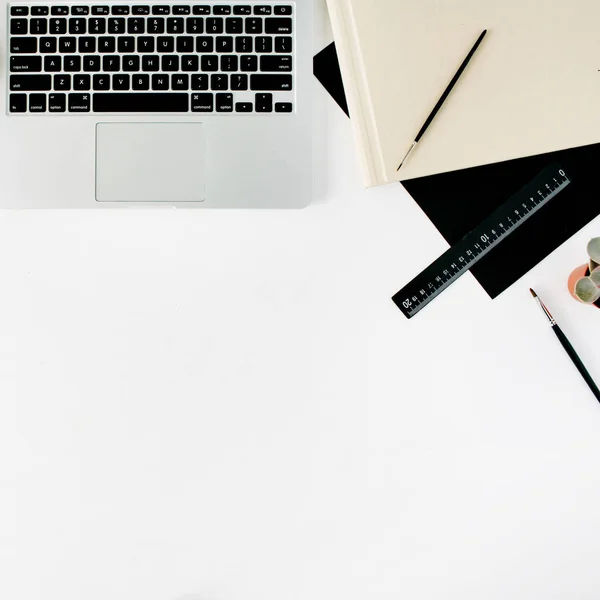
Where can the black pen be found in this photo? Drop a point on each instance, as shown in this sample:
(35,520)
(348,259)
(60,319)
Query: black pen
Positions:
(444,97)
(562,338)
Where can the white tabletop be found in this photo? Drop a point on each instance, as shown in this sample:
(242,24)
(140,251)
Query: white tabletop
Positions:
(224,405)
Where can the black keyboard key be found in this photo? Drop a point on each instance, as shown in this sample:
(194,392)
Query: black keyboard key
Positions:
(59,10)
(91,64)
(57,102)
(244,107)
(242,10)
(201,10)
(276,25)
(264,44)
(276,63)
(233,25)
(199,82)
(145,45)
(150,63)
(37,103)
(185,44)
(283,45)
(221,10)
(80,11)
(264,103)
(175,25)
(52,64)
(58,26)
(17,103)
(170,63)
(180,82)
(30,64)
(165,44)
(203,102)
(136,25)
(79,103)
(181,10)
(38,26)
(204,44)
(194,25)
(283,107)
(160,82)
(254,25)
(224,43)
(161,10)
(229,63)
(87,45)
(67,45)
(189,63)
(262,10)
(101,82)
(209,63)
(30,83)
(219,82)
(40,11)
(82,83)
(244,43)
(140,102)
(72,64)
(131,62)
(213,25)
(283,10)
(249,63)
(100,10)
(120,82)
(97,25)
(19,11)
(23,45)
(77,26)
(239,82)
(62,83)
(126,44)
(141,82)
(120,10)
(116,25)
(224,102)
(269,83)
(111,63)
(18,26)
(48,45)
(140,10)
(107,45)
(156,25)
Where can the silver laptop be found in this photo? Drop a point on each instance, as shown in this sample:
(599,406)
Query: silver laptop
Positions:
(189,104)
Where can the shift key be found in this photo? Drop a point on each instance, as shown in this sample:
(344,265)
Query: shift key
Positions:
(271,83)
(30,83)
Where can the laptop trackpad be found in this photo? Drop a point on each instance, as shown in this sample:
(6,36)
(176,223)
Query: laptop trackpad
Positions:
(150,162)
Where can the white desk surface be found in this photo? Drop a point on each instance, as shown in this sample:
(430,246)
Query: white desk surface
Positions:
(227,406)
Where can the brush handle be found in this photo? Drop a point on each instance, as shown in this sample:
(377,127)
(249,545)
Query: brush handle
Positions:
(562,338)
(451,85)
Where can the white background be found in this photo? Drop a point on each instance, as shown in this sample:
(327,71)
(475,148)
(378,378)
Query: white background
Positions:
(226,405)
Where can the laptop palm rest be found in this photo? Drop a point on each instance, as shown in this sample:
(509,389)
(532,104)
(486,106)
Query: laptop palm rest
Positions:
(150,162)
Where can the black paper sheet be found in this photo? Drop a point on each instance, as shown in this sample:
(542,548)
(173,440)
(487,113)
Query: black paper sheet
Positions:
(458,201)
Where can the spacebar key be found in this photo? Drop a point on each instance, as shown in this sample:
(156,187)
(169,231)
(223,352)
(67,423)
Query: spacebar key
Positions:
(140,102)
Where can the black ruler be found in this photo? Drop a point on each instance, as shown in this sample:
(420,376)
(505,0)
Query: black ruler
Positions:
(451,265)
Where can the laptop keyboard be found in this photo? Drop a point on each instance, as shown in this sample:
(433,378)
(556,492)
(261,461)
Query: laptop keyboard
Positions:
(134,58)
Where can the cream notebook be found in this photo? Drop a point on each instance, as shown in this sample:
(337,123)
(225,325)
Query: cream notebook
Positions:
(532,87)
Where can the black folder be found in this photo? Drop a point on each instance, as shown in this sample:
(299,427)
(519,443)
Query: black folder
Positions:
(456,202)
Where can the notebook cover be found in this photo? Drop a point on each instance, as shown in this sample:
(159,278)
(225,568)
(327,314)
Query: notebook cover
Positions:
(531,87)
(470,195)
